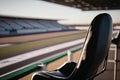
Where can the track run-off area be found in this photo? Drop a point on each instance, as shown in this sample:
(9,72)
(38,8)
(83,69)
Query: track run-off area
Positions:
(47,50)
(17,56)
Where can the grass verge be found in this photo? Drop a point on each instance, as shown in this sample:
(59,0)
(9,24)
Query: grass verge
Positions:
(25,47)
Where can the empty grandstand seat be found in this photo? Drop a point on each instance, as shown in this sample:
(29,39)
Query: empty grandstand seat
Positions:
(2,29)
(45,24)
(11,23)
(60,26)
(4,33)
(35,24)
(30,31)
(95,51)
(6,26)
(16,26)
(24,24)
(49,26)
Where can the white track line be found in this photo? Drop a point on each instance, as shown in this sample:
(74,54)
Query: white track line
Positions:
(41,60)
(4,45)
(25,56)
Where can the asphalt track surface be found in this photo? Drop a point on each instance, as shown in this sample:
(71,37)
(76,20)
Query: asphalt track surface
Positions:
(28,38)
(33,37)
(18,65)
(31,60)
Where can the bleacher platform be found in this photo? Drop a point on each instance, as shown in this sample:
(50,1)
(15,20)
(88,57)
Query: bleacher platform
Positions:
(20,26)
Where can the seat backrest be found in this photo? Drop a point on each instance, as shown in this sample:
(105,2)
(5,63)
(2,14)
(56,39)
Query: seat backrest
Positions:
(96,45)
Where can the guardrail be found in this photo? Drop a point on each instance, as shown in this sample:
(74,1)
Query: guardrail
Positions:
(34,67)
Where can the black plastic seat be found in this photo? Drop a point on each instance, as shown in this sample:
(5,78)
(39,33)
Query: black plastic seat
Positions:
(95,50)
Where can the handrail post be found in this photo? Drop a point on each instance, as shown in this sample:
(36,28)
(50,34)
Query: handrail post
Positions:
(43,66)
(70,56)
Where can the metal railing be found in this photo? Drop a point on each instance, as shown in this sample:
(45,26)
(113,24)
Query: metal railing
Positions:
(36,66)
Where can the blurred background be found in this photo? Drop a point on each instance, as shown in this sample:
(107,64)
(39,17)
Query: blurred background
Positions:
(43,32)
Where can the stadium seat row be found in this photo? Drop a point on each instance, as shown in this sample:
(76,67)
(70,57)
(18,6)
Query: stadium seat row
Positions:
(14,26)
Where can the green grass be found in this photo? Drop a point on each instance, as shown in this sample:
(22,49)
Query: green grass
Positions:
(24,47)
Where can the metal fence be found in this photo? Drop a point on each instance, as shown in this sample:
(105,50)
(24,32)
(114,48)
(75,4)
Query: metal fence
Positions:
(36,66)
